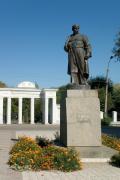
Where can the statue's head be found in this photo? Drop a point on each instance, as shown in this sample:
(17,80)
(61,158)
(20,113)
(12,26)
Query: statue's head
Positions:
(75,28)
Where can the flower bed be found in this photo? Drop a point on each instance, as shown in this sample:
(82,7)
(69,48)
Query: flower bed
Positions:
(111,142)
(26,154)
(114,143)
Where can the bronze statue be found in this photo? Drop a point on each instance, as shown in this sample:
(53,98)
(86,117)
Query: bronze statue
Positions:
(79,51)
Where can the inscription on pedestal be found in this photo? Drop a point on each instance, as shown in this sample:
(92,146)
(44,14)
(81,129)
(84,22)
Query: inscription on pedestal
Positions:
(83,118)
(80,123)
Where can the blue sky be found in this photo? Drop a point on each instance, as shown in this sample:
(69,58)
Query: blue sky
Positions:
(33,32)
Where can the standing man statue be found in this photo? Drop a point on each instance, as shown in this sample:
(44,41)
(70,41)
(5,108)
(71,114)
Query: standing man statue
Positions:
(79,51)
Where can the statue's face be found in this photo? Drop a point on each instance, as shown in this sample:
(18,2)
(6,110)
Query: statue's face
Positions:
(75,30)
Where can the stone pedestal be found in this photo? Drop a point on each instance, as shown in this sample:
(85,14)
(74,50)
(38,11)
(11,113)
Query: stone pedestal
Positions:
(80,123)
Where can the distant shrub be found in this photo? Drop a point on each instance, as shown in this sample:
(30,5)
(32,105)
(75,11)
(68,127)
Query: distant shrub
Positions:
(114,143)
(115,160)
(57,137)
(42,141)
(106,121)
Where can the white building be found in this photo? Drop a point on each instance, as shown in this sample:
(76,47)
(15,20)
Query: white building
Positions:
(50,110)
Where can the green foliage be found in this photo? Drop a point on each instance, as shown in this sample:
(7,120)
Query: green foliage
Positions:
(26,110)
(42,141)
(115,160)
(99,83)
(27,155)
(27,160)
(24,154)
(2,85)
(61,90)
(116,98)
(14,110)
(116,49)
(67,161)
(114,143)
(36,85)
(101,95)
(38,112)
(57,137)
(106,121)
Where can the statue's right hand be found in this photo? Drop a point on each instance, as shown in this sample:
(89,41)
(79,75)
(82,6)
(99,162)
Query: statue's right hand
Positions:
(69,46)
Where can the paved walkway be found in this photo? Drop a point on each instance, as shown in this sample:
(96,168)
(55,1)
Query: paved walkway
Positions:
(5,144)
(91,171)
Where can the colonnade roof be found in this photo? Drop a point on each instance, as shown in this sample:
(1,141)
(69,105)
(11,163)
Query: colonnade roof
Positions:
(27,89)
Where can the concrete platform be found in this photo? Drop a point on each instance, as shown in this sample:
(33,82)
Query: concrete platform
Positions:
(91,171)
(29,127)
(96,154)
(43,130)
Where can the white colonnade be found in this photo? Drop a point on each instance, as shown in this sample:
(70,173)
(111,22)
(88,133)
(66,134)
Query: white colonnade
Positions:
(20,110)
(25,91)
(1,110)
(49,106)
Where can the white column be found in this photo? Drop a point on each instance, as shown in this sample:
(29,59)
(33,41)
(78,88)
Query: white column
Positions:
(32,111)
(46,111)
(1,110)
(101,115)
(9,110)
(19,110)
(54,111)
(58,114)
(114,116)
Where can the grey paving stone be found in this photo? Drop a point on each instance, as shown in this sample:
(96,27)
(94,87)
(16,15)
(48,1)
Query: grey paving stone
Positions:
(91,171)
(5,172)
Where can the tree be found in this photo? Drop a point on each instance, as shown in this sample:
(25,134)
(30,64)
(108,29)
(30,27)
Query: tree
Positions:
(38,110)
(60,91)
(116,96)
(2,85)
(99,83)
(14,110)
(116,49)
(36,85)
(116,99)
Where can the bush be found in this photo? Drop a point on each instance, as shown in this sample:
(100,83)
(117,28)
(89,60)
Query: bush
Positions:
(27,160)
(67,161)
(115,160)
(111,142)
(106,121)
(27,155)
(57,138)
(43,142)
(25,144)
(24,154)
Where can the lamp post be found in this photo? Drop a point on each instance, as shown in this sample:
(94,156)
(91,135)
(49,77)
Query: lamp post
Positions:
(106,88)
